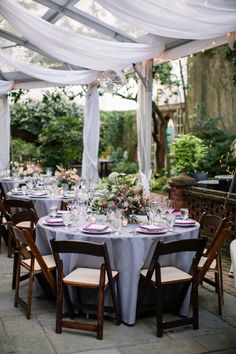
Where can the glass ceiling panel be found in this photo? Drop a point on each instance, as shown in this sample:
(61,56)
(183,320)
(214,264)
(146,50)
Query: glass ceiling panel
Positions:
(95,10)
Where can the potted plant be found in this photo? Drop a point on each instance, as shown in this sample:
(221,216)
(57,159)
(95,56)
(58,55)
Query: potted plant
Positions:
(189,152)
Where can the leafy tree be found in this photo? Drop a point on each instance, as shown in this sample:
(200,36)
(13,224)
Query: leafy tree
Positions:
(23,151)
(219,158)
(61,141)
(31,116)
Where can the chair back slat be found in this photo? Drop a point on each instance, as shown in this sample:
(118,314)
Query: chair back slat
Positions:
(81,247)
(25,238)
(222,234)
(189,245)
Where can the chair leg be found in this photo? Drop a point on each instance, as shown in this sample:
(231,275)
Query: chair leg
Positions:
(17,285)
(159,313)
(100,319)
(16,255)
(195,306)
(59,296)
(30,295)
(9,246)
(116,304)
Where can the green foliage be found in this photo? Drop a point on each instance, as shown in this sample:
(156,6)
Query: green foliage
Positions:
(32,115)
(219,158)
(126,167)
(61,141)
(23,151)
(158,182)
(118,134)
(189,151)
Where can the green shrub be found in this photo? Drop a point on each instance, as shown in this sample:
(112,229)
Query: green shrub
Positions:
(126,167)
(23,151)
(189,152)
(61,142)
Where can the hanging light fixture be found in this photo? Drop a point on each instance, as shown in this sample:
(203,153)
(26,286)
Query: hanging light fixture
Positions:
(111,81)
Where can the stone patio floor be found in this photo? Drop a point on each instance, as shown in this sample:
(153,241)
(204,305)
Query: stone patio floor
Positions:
(37,336)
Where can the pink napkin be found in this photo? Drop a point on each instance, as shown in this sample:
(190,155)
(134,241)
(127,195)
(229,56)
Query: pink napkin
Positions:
(54,220)
(151,227)
(185,222)
(95,227)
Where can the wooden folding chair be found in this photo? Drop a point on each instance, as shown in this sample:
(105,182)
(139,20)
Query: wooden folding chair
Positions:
(211,260)
(14,206)
(36,264)
(81,277)
(23,220)
(158,276)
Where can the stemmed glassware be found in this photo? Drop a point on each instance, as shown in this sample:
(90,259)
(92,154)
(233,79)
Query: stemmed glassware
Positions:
(170,205)
(170,221)
(66,217)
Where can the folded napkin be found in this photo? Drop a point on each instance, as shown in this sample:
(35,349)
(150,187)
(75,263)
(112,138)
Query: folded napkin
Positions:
(177,214)
(185,222)
(151,227)
(60,212)
(38,194)
(54,220)
(95,227)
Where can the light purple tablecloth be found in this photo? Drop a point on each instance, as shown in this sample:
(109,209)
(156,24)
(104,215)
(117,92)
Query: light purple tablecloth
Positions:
(128,254)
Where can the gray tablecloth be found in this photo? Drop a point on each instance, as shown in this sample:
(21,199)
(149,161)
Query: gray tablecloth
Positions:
(128,254)
(42,205)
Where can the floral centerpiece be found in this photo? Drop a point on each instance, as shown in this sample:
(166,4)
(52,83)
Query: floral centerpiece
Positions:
(26,169)
(126,193)
(66,176)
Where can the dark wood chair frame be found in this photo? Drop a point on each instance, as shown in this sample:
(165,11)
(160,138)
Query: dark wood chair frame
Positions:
(213,253)
(12,206)
(15,219)
(90,249)
(25,241)
(189,245)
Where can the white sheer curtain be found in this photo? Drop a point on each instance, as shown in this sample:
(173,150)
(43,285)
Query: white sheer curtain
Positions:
(74,48)
(5,86)
(187,19)
(144,123)
(91,134)
(67,77)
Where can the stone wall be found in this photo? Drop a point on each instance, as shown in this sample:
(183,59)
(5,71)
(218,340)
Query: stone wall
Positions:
(210,77)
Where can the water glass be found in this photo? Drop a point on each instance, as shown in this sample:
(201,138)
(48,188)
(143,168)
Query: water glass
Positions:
(53,211)
(116,223)
(184,212)
(66,218)
(170,221)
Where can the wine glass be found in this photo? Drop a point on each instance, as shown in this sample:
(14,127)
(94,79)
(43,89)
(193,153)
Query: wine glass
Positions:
(170,205)
(170,221)
(184,212)
(66,218)
(116,223)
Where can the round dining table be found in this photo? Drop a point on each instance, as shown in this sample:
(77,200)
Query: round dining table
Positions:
(129,252)
(42,201)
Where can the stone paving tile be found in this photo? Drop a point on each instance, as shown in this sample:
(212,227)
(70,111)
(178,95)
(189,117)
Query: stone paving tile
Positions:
(182,346)
(37,336)
(101,351)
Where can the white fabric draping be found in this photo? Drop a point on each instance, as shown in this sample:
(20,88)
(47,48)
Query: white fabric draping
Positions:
(187,19)
(74,48)
(5,86)
(144,123)
(91,132)
(67,77)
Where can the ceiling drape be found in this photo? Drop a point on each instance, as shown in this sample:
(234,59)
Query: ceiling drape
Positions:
(5,87)
(74,48)
(185,19)
(67,77)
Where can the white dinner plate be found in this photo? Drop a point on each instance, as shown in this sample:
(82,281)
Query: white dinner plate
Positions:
(151,232)
(98,232)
